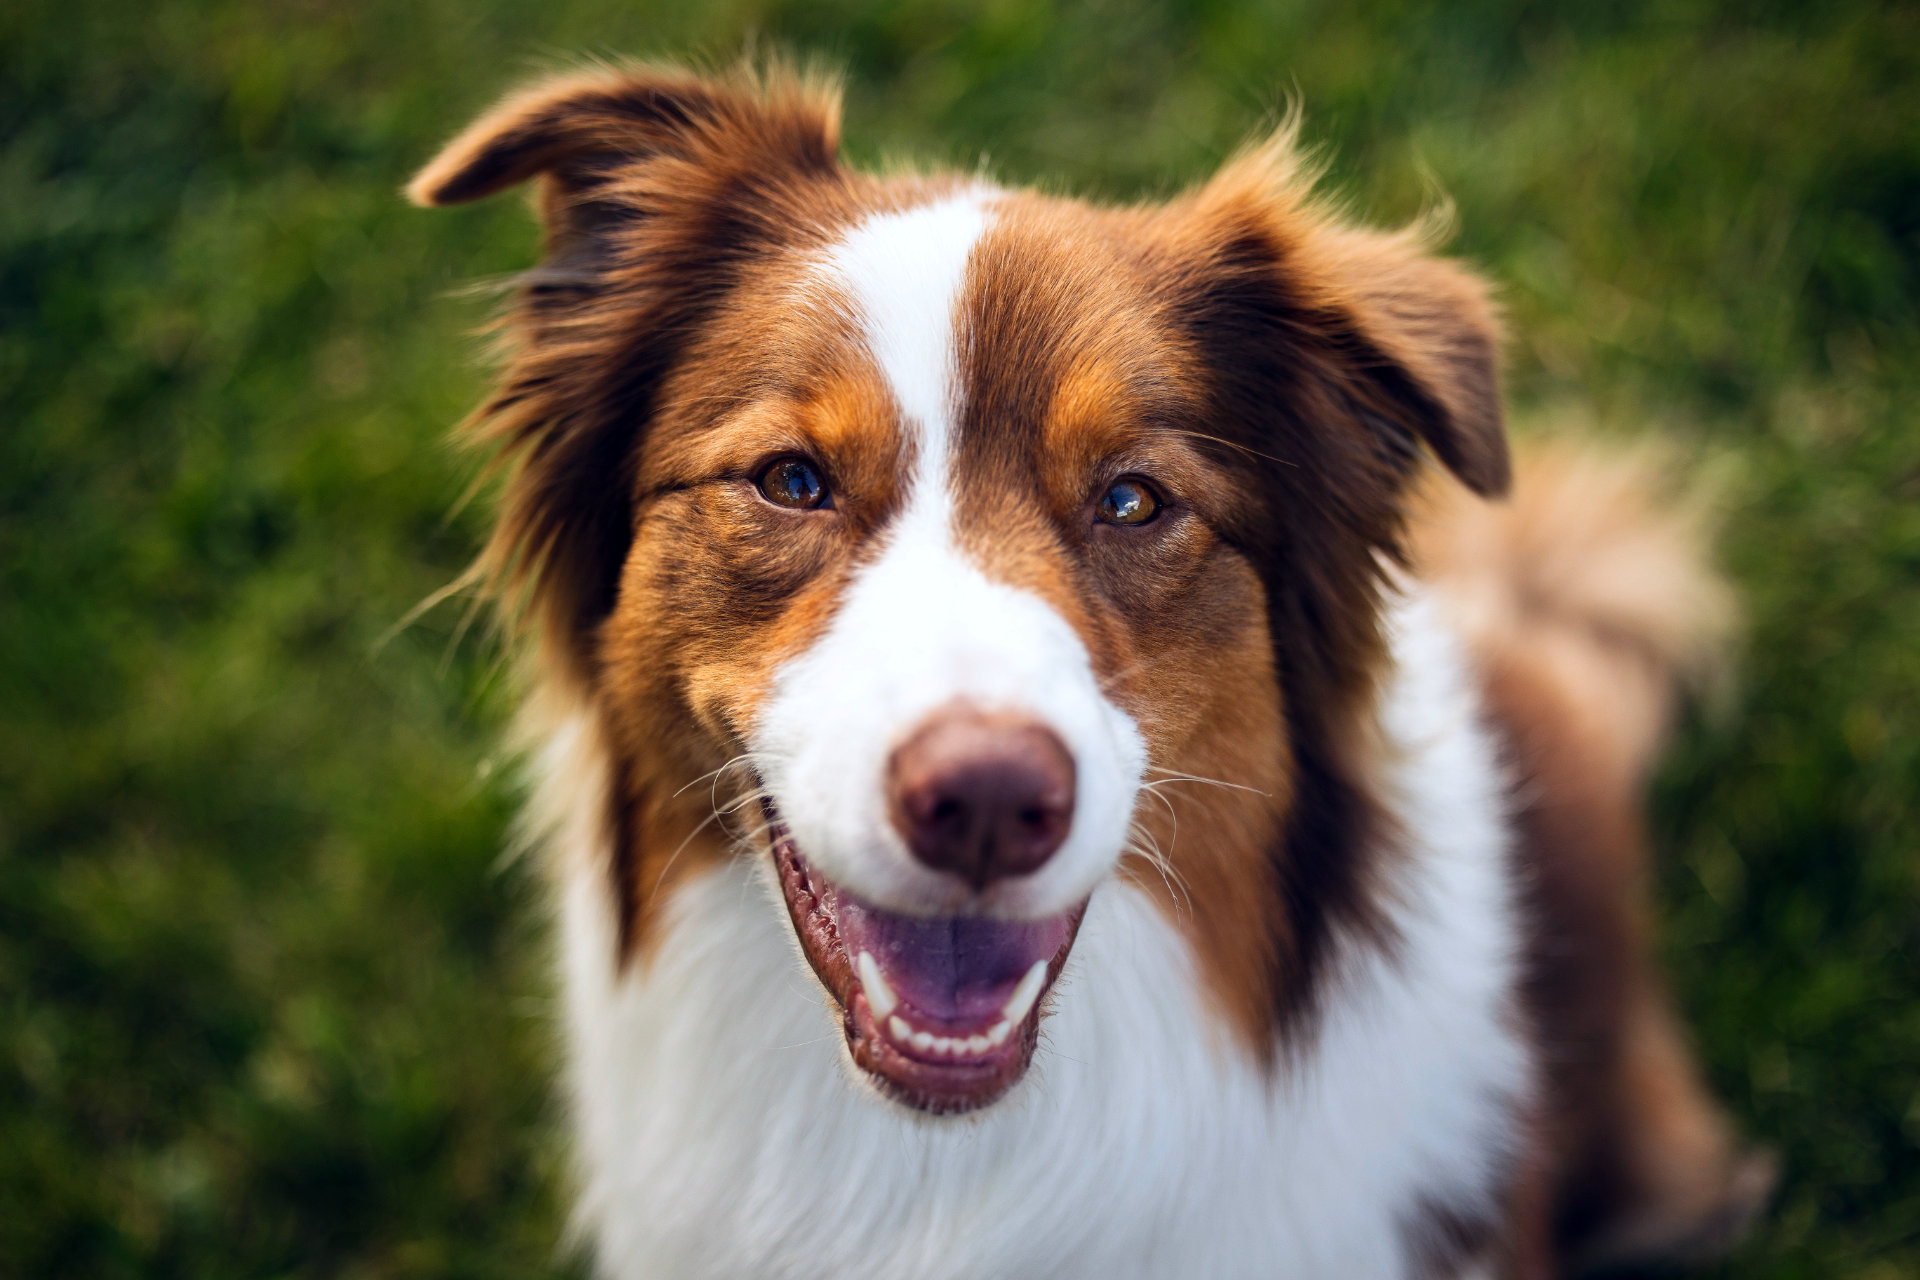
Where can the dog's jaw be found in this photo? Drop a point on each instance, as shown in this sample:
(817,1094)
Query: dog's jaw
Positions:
(945,1060)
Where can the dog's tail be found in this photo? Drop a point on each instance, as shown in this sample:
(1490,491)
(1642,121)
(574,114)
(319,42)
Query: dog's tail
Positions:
(1596,570)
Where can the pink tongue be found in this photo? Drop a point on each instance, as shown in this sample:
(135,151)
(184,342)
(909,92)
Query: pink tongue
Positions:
(959,969)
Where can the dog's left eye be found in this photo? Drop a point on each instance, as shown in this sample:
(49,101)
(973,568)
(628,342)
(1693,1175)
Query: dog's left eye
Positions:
(1129,502)
(793,482)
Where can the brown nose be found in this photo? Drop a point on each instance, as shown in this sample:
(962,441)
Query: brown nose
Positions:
(981,795)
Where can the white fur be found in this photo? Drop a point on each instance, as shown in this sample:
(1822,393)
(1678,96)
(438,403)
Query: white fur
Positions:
(723,1134)
(922,626)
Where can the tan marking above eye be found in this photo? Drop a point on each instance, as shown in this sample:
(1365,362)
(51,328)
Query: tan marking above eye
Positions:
(794,482)
(1130,501)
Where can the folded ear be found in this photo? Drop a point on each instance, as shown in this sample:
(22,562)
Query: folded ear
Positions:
(1426,335)
(576,127)
(657,189)
(1407,341)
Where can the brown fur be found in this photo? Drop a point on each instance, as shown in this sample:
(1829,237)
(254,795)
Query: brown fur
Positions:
(1276,370)
(1332,352)
(1587,608)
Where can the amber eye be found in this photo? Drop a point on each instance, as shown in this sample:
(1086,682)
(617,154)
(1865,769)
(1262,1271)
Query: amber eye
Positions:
(1129,502)
(793,482)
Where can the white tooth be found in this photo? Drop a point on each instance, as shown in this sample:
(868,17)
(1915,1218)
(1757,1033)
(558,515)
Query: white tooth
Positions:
(901,1031)
(977,1045)
(923,1040)
(998,1035)
(941,1044)
(880,997)
(1020,1003)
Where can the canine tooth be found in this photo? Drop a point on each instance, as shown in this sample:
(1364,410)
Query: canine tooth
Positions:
(923,1040)
(880,997)
(997,1036)
(978,1044)
(901,1031)
(1020,1003)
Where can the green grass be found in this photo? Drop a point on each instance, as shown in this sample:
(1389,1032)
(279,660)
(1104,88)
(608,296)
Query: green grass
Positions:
(270,1004)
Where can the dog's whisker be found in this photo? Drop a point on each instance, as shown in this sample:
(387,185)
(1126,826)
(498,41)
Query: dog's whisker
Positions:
(719,812)
(708,775)
(1143,846)
(1172,776)
(752,839)
(749,795)
(1173,815)
(801,1044)
(743,758)
(1249,450)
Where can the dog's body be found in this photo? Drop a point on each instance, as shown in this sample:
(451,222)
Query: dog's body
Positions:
(1194,890)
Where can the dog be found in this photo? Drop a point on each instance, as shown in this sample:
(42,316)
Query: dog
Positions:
(1042,776)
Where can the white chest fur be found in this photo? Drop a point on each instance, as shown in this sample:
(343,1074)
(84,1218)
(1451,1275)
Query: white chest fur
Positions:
(721,1133)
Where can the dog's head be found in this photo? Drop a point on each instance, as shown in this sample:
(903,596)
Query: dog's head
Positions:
(948,528)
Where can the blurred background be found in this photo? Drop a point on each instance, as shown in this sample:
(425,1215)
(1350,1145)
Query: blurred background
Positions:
(271,1001)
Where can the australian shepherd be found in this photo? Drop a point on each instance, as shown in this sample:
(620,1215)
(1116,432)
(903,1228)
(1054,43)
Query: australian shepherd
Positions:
(1038,782)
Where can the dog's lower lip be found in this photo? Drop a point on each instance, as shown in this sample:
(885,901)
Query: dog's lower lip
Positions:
(949,1047)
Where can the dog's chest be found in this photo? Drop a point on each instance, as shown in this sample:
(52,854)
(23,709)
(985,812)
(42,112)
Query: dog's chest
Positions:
(721,1133)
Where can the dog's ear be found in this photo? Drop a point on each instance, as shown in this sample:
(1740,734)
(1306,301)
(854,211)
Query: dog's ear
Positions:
(579,130)
(1425,336)
(610,146)
(1406,342)
(573,128)
(656,189)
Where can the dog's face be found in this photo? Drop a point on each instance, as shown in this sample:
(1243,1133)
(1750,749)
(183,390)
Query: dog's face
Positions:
(939,526)
(923,566)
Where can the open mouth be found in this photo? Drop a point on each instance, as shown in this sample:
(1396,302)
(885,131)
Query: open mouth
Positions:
(942,1012)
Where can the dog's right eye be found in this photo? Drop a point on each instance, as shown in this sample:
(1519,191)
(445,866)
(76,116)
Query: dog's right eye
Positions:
(1130,502)
(793,482)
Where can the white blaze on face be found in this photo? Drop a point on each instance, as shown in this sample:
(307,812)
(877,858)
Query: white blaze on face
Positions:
(922,627)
